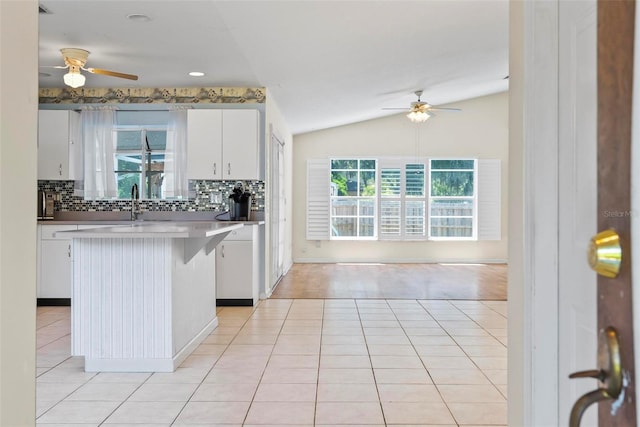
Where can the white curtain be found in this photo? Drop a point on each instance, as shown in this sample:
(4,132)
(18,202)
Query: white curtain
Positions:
(97,134)
(175,157)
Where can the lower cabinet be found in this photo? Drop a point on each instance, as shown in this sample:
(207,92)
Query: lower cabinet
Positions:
(237,272)
(54,265)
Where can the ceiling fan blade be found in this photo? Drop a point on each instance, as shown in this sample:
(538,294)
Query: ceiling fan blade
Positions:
(443,109)
(112,73)
(391,108)
(62,67)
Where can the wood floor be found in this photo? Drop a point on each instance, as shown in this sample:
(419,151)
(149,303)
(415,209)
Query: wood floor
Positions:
(395,281)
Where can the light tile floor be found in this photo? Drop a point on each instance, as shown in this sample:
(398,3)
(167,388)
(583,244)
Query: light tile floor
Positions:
(299,362)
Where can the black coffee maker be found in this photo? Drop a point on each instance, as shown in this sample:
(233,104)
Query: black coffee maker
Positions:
(239,203)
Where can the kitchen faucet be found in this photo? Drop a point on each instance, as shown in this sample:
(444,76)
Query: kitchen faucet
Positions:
(135,196)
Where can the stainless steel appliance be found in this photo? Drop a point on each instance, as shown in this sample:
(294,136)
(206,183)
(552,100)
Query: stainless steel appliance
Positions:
(45,204)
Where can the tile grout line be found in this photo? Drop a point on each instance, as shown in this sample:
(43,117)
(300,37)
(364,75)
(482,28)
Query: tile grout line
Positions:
(422,361)
(373,372)
(246,415)
(459,346)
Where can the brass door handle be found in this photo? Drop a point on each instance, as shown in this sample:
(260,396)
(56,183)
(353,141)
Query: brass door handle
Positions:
(584,402)
(598,374)
(611,378)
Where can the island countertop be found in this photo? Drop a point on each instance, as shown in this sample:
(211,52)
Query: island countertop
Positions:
(179,230)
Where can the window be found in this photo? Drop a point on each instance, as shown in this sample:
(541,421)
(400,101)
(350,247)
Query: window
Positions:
(353,198)
(402,200)
(452,199)
(140,139)
(139,159)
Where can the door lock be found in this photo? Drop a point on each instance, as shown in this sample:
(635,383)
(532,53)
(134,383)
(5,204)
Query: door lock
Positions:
(611,378)
(605,253)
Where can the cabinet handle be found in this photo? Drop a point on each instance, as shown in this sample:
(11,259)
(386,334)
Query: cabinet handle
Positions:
(215,168)
(69,250)
(60,169)
(228,168)
(222,251)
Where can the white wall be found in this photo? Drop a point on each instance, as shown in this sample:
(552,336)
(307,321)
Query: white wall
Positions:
(480,130)
(275,120)
(517,394)
(18,136)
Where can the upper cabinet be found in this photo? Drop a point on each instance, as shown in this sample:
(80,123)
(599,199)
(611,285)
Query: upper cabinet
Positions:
(223,144)
(59,145)
(204,144)
(241,144)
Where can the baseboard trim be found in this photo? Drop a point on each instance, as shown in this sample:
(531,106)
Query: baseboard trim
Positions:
(227,302)
(398,261)
(53,302)
(149,364)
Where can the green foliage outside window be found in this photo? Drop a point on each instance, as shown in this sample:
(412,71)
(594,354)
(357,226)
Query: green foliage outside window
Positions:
(452,183)
(353,177)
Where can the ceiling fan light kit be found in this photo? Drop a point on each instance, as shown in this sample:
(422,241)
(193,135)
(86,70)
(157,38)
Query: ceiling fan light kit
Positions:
(418,116)
(74,79)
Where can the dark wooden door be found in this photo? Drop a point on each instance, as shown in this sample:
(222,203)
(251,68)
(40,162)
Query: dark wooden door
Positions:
(615,82)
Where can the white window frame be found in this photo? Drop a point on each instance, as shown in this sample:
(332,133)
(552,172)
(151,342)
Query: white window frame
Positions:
(358,199)
(474,199)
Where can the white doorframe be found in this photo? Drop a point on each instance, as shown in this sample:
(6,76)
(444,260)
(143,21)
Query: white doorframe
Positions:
(533,213)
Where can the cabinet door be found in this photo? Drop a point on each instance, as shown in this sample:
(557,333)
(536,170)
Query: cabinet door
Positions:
(240,149)
(204,144)
(76,161)
(55,269)
(234,270)
(53,144)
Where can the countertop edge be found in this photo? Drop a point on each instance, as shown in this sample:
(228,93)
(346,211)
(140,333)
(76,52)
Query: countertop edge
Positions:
(121,222)
(159,229)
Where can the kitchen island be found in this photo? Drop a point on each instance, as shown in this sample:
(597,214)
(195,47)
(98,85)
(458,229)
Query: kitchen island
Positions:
(143,294)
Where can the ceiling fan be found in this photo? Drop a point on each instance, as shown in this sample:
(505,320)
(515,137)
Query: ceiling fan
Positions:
(75,60)
(420,111)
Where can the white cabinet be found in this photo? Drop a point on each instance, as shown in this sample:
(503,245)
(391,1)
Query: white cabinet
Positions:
(237,268)
(240,144)
(59,145)
(224,144)
(54,264)
(204,144)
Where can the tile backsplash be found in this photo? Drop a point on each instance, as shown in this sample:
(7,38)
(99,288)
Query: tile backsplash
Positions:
(202,197)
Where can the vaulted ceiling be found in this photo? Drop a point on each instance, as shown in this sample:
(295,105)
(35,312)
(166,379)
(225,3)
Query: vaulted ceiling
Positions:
(326,63)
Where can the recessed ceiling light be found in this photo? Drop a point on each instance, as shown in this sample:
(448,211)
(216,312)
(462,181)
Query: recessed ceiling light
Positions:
(138,17)
(196,74)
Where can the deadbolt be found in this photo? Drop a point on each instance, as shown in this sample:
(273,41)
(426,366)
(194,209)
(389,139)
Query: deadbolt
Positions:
(605,253)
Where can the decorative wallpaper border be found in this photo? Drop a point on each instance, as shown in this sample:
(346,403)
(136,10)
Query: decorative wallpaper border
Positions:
(191,95)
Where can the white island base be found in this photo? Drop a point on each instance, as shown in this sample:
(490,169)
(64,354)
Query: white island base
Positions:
(141,304)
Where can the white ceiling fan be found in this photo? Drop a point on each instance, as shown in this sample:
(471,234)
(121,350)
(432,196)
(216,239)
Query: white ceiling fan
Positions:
(75,60)
(420,111)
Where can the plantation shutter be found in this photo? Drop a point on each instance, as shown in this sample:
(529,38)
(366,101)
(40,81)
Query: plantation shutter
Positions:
(390,183)
(318,201)
(489,203)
